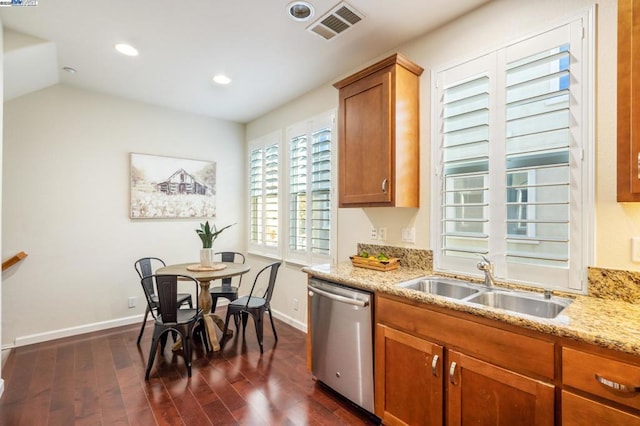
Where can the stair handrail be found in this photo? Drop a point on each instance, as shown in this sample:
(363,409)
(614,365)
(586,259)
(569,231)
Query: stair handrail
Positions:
(13,260)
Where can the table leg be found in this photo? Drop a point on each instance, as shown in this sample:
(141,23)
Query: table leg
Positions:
(210,319)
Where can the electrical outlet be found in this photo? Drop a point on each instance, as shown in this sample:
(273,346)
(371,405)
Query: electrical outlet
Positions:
(132,301)
(382,233)
(295,304)
(374,233)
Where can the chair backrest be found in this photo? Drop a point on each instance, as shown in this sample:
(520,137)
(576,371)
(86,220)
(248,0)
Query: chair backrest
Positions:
(166,287)
(144,269)
(231,256)
(273,273)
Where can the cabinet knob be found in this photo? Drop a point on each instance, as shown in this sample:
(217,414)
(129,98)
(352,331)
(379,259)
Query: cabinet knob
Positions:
(385,181)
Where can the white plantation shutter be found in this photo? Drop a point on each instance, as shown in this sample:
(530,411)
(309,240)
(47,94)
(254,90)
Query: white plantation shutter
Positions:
(264,170)
(310,202)
(511,175)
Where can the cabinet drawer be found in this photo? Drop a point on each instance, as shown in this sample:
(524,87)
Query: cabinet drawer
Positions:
(506,349)
(579,411)
(601,376)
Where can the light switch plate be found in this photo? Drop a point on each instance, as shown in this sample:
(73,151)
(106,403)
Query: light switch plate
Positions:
(635,249)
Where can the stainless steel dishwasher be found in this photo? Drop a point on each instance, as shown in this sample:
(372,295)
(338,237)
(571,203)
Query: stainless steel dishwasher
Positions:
(342,340)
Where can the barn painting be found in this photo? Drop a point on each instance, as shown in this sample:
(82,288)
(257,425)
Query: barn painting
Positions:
(168,187)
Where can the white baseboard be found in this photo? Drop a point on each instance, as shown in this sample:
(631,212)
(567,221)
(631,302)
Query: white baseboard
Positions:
(291,321)
(74,331)
(103,325)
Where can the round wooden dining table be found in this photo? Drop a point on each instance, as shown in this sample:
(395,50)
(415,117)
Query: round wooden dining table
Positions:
(205,276)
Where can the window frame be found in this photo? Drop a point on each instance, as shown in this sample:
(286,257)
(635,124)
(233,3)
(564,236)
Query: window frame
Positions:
(582,256)
(261,248)
(282,136)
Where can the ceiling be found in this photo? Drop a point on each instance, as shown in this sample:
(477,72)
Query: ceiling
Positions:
(270,57)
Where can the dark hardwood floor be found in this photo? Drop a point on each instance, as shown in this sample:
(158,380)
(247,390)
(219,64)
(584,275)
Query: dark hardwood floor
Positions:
(98,379)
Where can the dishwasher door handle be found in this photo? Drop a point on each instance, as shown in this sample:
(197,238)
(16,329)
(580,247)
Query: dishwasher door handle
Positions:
(337,297)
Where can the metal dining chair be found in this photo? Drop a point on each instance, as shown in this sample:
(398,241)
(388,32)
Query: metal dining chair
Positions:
(144,268)
(227,290)
(169,317)
(255,306)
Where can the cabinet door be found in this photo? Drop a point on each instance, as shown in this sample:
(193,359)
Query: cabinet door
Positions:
(365,142)
(628,100)
(408,379)
(578,411)
(480,393)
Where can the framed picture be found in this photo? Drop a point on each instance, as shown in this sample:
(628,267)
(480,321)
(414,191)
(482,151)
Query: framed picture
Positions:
(167,187)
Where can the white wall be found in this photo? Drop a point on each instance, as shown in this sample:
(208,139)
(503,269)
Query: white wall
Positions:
(486,28)
(66,200)
(1,150)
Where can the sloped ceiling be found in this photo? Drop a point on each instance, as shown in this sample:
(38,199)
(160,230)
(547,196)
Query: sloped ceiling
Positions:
(271,58)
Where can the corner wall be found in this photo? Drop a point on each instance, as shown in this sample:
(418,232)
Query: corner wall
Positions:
(66,203)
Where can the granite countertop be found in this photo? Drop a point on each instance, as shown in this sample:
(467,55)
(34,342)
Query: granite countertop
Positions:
(607,323)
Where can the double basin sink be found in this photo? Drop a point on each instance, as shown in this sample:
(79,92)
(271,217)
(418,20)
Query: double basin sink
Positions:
(522,302)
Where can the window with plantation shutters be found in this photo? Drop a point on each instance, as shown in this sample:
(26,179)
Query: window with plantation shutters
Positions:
(512,178)
(310,201)
(291,207)
(264,182)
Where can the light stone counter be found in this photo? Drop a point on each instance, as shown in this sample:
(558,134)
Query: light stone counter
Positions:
(611,324)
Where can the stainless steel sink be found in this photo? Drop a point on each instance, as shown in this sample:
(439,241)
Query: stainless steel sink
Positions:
(444,287)
(524,303)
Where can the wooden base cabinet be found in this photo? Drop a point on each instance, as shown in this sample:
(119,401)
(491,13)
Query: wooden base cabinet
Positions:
(434,369)
(409,383)
(580,411)
(480,393)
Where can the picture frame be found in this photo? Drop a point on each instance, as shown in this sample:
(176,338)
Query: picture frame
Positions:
(169,187)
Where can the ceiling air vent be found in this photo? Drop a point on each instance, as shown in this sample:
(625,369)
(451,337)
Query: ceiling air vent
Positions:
(340,18)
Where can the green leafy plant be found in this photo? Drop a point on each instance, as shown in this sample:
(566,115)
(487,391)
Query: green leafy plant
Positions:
(209,235)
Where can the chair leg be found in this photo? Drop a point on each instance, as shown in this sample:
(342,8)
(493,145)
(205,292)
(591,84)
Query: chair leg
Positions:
(144,322)
(157,334)
(224,332)
(163,340)
(273,327)
(186,348)
(245,318)
(257,319)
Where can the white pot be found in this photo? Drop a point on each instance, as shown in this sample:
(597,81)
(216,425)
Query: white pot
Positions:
(206,257)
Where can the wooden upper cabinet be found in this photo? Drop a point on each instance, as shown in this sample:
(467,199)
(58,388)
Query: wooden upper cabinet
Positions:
(378,128)
(628,100)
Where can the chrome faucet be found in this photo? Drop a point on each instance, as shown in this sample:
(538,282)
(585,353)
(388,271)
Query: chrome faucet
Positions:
(486,266)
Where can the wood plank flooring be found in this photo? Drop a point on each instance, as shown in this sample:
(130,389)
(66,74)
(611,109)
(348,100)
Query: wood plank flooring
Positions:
(98,379)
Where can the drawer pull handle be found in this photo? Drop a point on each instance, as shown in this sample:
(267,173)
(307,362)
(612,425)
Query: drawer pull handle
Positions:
(638,165)
(452,372)
(617,386)
(434,365)
(385,181)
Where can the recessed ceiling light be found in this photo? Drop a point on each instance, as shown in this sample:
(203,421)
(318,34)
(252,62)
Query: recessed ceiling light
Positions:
(70,70)
(300,10)
(221,79)
(126,49)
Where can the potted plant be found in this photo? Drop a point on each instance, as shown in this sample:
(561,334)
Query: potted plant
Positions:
(208,235)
